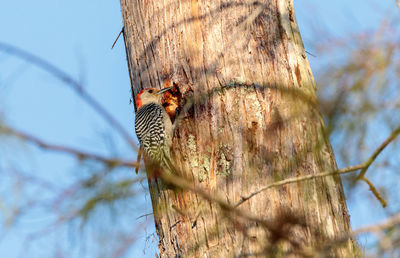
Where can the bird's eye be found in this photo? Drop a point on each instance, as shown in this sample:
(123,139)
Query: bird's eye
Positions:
(150,91)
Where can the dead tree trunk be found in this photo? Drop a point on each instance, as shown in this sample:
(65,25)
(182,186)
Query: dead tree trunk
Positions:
(254,121)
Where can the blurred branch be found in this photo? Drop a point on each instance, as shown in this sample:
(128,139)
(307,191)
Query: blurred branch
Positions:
(398,4)
(72,83)
(145,215)
(32,179)
(377,228)
(182,183)
(391,222)
(369,161)
(112,162)
(139,156)
(272,225)
(363,166)
(375,192)
(298,179)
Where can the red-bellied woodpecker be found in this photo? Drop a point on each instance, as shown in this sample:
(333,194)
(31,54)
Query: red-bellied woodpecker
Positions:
(153,126)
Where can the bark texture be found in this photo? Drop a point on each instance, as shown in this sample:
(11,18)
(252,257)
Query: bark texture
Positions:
(254,121)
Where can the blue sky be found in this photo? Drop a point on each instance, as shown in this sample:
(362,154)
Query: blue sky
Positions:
(77,37)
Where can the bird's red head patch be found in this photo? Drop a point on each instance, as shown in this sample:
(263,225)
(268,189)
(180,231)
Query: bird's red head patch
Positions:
(138,99)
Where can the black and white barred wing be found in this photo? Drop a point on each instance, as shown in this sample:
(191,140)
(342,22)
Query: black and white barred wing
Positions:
(150,131)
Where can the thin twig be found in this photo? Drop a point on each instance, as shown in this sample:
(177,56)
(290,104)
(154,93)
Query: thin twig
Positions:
(144,215)
(375,192)
(369,161)
(311,54)
(72,83)
(298,179)
(375,228)
(364,166)
(122,30)
(392,221)
(112,162)
(182,183)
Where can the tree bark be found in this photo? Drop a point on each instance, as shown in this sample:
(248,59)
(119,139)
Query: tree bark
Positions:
(254,121)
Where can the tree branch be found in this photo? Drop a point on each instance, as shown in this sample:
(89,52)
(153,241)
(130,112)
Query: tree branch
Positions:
(72,83)
(298,179)
(375,192)
(139,156)
(119,34)
(375,228)
(392,221)
(182,183)
(364,166)
(112,162)
(369,161)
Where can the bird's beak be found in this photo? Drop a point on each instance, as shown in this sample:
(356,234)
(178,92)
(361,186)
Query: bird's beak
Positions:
(164,90)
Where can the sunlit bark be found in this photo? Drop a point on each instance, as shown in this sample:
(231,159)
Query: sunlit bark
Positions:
(255,120)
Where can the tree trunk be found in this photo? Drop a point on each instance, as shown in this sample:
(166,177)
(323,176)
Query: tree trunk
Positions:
(254,121)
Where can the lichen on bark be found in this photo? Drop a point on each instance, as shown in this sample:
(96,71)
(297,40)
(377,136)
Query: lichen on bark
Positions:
(255,108)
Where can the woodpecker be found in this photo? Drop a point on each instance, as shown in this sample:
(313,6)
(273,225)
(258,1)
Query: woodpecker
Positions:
(153,126)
